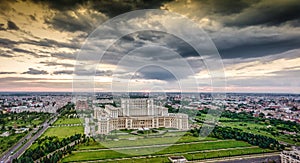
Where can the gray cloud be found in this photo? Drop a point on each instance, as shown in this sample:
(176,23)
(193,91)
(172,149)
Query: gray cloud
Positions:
(6,55)
(2,27)
(56,64)
(251,48)
(7,73)
(111,8)
(12,26)
(64,55)
(91,72)
(61,72)
(266,12)
(33,71)
(154,72)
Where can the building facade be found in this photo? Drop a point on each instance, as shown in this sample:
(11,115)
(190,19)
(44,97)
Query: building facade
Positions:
(292,156)
(139,113)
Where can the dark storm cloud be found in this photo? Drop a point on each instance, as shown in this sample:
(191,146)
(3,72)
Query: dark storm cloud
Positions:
(33,71)
(226,6)
(154,72)
(145,38)
(252,48)
(266,12)
(65,20)
(49,43)
(76,20)
(12,26)
(242,13)
(111,8)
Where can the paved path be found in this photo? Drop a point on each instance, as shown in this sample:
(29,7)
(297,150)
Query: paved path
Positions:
(6,155)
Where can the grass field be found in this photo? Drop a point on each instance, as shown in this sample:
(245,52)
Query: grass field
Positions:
(142,142)
(225,153)
(63,120)
(64,131)
(179,148)
(197,156)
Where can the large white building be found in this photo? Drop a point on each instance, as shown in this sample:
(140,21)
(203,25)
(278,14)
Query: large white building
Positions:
(134,114)
(292,156)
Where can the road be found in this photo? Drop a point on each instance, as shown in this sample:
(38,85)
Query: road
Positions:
(8,157)
(16,146)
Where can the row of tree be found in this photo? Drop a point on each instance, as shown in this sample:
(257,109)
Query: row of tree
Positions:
(254,139)
(48,145)
(67,109)
(278,123)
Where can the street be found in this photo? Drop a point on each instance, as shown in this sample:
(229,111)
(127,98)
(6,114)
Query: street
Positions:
(16,151)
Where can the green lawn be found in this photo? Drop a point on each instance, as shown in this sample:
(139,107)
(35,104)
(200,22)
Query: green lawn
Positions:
(198,156)
(143,142)
(64,120)
(142,160)
(64,131)
(110,154)
(225,153)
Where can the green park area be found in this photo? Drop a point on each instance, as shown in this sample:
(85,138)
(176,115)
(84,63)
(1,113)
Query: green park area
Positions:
(7,142)
(63,131)
(282,131)
(196,156)
(201,149)
(64,120)
(14,126)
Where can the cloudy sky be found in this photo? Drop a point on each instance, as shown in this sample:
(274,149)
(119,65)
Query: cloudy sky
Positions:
(258,42)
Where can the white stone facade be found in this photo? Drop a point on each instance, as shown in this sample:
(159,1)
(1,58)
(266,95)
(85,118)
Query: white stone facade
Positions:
(135,114)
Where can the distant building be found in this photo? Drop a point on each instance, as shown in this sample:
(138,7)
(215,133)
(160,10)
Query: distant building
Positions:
(135,114)
(292,156)
(5,134)
(82,105)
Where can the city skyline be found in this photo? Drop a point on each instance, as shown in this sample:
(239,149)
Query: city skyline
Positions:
(258,42)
